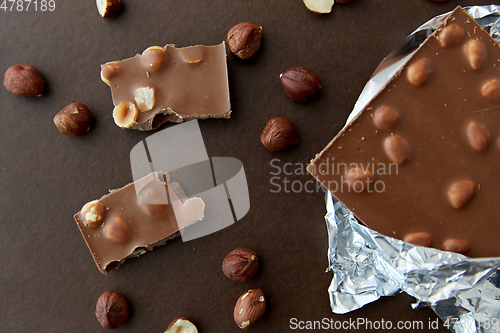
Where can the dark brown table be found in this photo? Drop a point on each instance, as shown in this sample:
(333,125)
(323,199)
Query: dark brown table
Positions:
(48,280)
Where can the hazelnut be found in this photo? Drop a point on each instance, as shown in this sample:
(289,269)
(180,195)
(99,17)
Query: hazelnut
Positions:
(111,310)
(491,90)
(478,135)
(117,230)
(108,71)
(153,58)
(125,114)
(300,83)
(279,133)
(456,245)
(397,149)
(419,72)
(241,265)
(183,325)
(108,8)
(385,118)
(244,39)
(249,308)
(418,238)
(24,80)
(193,54)
(92,214)
(461,192)
(74,119)
(144,98)
(451,35)
(153,199)
(320,6)
(359,179)
(476,53)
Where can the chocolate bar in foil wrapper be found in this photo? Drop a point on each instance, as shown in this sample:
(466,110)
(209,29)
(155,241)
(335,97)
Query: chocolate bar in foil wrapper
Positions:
(464,292)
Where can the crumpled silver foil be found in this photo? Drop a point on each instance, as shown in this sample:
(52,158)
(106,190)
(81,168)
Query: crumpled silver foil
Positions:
(464,292)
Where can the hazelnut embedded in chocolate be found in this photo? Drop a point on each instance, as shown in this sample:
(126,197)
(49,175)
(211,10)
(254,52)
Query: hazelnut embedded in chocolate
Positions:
(385,118)
(92,214)
(419,72)
(461,192)
(117,229)
(397,149)
(478,135)
(359,179)
(451,35)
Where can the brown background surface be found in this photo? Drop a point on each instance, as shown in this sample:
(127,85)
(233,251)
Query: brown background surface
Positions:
(48,280)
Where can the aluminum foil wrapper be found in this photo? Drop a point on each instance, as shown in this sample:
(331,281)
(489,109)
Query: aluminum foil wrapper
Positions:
(464,292)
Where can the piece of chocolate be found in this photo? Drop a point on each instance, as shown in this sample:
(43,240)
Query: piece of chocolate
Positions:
(132,220)
(169,84)
(423,148)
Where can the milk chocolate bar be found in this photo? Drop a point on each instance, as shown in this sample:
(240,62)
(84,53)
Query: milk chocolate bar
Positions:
(169,84)
(132,220)
(420,163)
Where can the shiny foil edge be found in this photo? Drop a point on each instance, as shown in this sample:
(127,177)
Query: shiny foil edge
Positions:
(464,292)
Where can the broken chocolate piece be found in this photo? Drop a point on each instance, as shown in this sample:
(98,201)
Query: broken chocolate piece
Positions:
(138,217)
(439,177)
(169,84)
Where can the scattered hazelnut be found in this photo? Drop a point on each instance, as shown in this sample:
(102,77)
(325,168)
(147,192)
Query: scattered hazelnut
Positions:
(476,53)
(111,310)
(243,39)
(241,265)
(144,98)
(385,118)
(153,58)
(181,325)
(419,72)
(320,6)
(478,135)
(359,179)
(24,80)
(117,230)
(74,119)
(279,133)
(491,90)
(300,83)
(125,114)
(418,238)
(92,214)
(108,71)
(108,8)
(461,192)
(397,149)
(451,35)
(249,308)
(456,245)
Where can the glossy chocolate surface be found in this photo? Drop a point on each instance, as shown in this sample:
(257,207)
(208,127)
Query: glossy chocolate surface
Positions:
(146,218)
(189,82)
(428,175)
